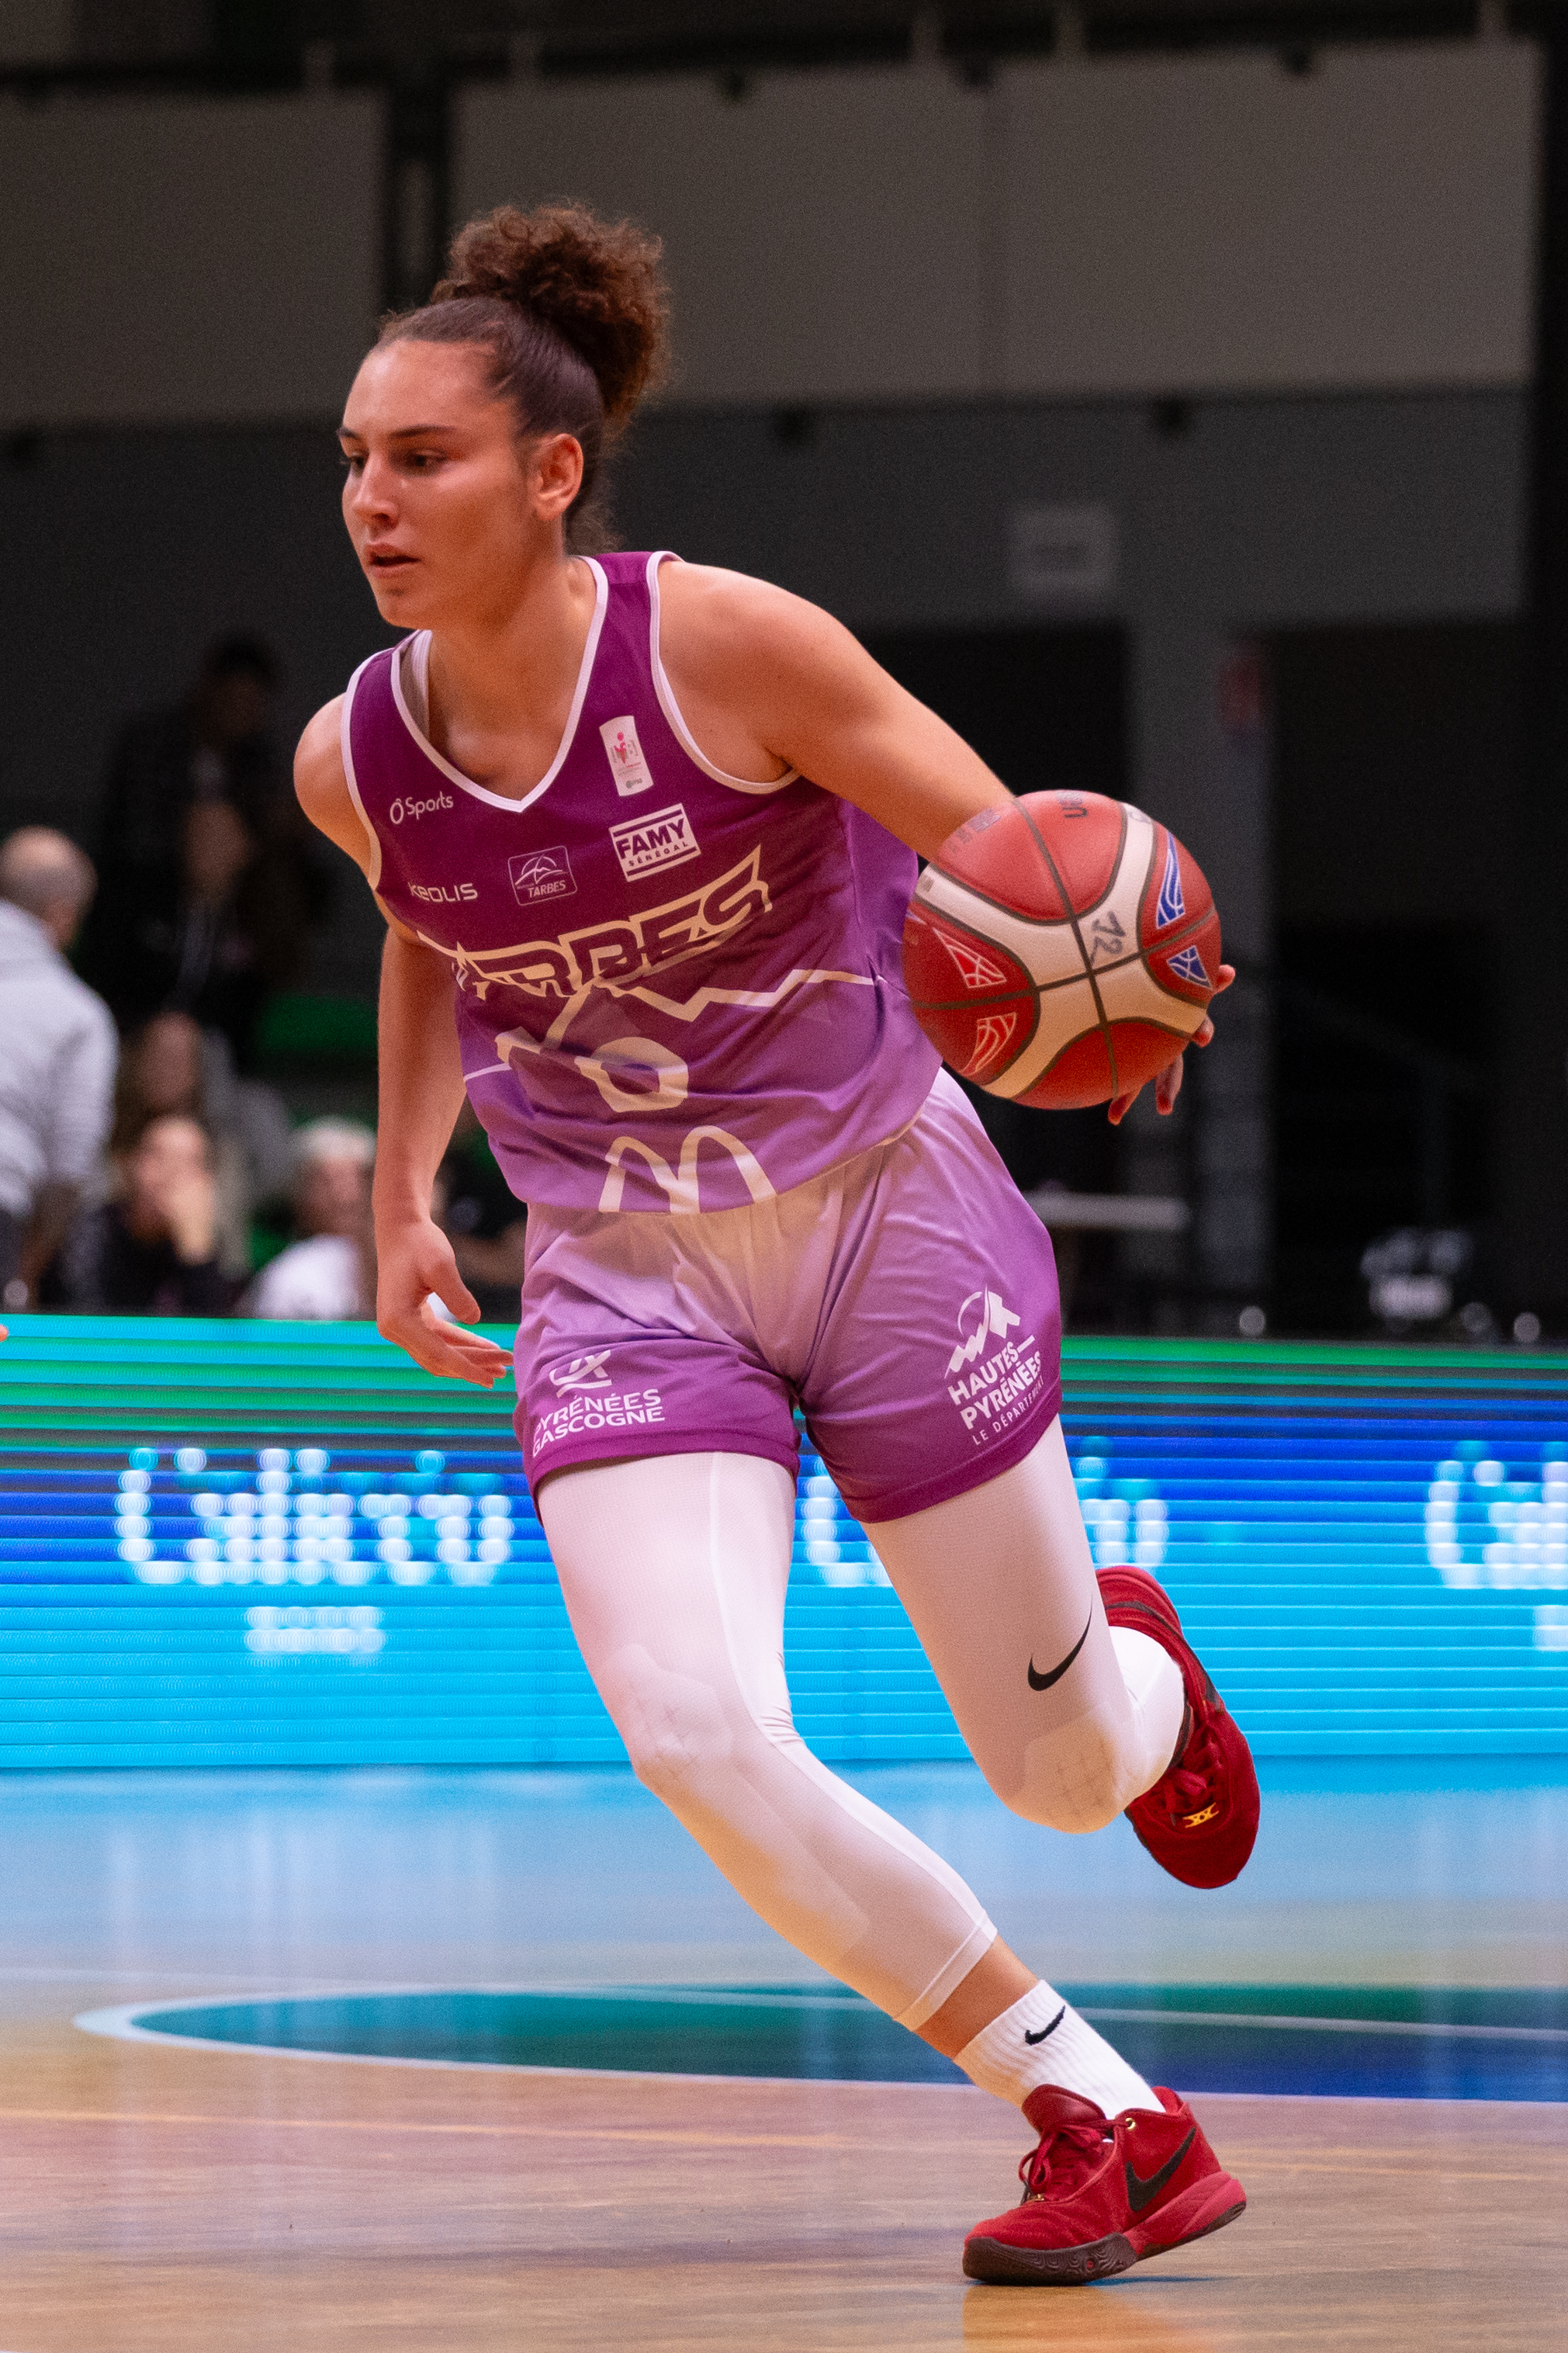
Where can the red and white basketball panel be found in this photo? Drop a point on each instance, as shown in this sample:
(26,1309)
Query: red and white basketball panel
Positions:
(1061,950)
(988,1023)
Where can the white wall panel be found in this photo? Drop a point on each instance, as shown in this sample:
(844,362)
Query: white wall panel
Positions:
(1084,229)
(168,261)
(1221,225)
(824,235)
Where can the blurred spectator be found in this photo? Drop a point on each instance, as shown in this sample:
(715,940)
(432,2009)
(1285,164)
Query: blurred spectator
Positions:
(210,879)
(483,1219)
(329,1275)
(56,1055)
(170,1065)
(153,1250)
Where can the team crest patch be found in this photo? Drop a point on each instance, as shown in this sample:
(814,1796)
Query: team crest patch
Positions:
(663,838)
(625,754)
(540,874)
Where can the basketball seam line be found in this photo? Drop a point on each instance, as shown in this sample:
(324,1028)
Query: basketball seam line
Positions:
(1190,928)
(1191,925)
(1059,923)
(1077,932)
(997,1004)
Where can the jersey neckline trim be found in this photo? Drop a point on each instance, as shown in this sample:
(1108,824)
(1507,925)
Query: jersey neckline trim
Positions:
(671,709)
(568,736)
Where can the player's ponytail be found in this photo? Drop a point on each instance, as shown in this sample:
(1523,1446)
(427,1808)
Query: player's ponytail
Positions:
(575,314)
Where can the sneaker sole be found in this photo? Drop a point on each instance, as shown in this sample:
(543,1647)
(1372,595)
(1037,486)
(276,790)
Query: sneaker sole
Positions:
(1207,2206)
(994,2260)
(1002,2265)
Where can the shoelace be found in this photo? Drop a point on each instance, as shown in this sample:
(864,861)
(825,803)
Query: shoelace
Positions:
(1196,1781)
(1057,2166)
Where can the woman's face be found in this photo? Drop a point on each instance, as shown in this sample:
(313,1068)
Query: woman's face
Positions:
(333,1195)
(171,1158)
(448,507)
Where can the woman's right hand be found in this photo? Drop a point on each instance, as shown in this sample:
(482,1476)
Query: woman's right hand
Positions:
(414,1259)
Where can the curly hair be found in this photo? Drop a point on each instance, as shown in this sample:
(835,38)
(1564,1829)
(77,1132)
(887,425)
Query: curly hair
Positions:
(575,314)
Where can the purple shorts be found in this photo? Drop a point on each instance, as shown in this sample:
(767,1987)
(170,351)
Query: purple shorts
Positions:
(906,1301)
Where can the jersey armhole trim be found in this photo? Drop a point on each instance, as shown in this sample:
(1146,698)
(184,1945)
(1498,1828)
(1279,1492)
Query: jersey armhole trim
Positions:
(671,709)
(371,834)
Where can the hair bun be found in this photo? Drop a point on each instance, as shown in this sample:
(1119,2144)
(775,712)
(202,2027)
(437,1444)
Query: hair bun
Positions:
(597,284)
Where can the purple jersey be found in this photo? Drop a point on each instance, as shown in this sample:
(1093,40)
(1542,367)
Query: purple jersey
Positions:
(675,989)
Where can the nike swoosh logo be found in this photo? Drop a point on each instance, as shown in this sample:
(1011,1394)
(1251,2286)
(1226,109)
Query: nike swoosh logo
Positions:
(1038,1682)
(1047,2030)
(1142,2194)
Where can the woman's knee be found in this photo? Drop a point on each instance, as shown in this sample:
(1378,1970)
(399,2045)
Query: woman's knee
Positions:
(676,1727)
(1077,1779)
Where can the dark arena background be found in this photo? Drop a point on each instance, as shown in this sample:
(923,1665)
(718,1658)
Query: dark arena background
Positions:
(1173,394)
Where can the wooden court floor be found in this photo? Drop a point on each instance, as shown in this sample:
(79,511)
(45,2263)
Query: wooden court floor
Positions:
(159,2200)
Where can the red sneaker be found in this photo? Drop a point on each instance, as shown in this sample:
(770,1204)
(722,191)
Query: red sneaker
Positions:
(1200,1820)
(1101,2194)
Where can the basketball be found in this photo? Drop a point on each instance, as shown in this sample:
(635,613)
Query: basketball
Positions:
(1060,951)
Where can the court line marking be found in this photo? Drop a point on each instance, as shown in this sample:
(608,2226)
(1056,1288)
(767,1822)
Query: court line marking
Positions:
(765,1998)
(1333,2025)
(123,2025)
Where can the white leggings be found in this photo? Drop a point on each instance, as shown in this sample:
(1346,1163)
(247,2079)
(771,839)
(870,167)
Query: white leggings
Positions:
(674,1572)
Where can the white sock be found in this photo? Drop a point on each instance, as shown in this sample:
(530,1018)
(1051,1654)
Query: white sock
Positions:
(1158,1695)
(1041,2040)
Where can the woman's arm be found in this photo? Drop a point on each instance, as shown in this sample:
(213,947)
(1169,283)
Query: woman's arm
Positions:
(767,682)
(421,1093)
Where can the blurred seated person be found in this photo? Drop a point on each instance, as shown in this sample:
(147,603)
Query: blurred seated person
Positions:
(210,879)
(152,1251)
(483,1219)
(329,1275)
(58,1051)
(171,1065)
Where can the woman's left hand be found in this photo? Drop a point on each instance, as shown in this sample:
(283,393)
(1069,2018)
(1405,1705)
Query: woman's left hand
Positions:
(1168,1085)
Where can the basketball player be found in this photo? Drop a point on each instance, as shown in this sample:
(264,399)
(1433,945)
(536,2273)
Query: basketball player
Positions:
(658,825)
